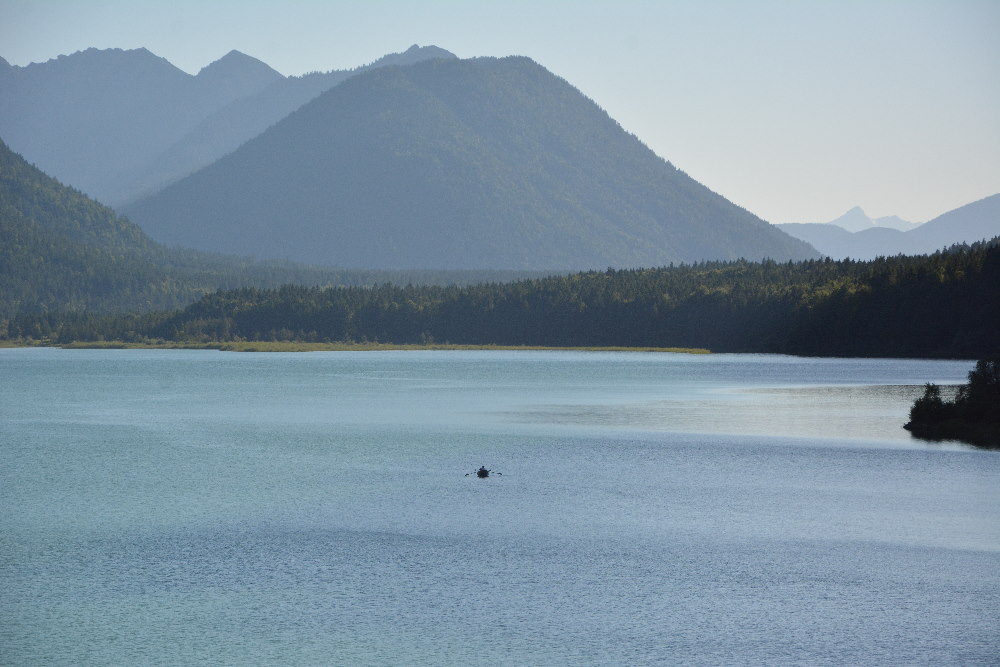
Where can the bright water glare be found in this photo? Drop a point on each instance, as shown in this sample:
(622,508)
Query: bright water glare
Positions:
(175,507)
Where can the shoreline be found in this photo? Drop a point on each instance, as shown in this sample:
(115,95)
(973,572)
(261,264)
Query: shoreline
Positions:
(291,346)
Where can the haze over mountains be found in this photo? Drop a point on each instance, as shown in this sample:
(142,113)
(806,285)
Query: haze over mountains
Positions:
(227,128)
(62,252)
(482,163)
(857,236)
(856,220)
(462,164)
(456,163)
(116,123)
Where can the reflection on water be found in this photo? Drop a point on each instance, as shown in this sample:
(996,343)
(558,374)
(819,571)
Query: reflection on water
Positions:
(202,507)
(875,412)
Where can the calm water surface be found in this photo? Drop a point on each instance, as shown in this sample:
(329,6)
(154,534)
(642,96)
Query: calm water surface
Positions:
(164,507)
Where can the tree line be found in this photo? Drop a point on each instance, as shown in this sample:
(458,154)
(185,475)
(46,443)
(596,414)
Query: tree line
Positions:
(974,414)
(940,305)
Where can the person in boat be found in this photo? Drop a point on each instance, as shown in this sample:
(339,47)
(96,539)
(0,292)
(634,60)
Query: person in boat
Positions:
(482,472)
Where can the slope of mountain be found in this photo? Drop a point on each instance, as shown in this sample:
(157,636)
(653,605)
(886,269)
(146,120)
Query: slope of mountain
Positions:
(456,164)
(838,243)
(967,224)
(100,120)
(80,116)
(895,222)
(6,71)
(63,252)
(235,75)
(93,118)
(856,220)
(60,250)
(974,222)
(225,130)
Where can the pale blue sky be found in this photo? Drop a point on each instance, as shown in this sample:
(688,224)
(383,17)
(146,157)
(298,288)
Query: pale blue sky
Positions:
(794,109)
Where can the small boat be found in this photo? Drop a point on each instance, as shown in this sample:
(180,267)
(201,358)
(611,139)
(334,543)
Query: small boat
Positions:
(483,473)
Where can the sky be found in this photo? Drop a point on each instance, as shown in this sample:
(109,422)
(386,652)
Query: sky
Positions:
(797,110)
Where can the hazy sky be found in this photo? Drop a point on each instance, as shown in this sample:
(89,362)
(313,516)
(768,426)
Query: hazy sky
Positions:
(794,109)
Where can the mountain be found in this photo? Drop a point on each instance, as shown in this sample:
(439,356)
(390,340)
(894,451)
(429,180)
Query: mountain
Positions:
(895,222)
(115,123)
(856,220)
(456,164)
(92,118)
(967,224)
(229,127)
(890,236)
(838,243)
(62,252)
(235,75)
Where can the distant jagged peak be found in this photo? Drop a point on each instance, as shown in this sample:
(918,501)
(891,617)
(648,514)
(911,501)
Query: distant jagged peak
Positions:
(412,55)
(429,51)
(854,220)
(110,63)
(238,64)
(95,54)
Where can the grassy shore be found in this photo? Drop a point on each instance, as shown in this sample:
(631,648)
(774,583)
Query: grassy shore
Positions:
(291,346)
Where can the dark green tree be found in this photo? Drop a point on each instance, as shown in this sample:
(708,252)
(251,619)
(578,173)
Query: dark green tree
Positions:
(973,416)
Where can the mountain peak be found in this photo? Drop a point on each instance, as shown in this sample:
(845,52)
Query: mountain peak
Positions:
(413,55)
(481,163)
(236,64)
(854,220)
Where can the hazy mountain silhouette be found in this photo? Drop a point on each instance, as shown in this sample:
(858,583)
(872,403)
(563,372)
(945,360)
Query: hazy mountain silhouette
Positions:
(970,223)
(456,163)
(107,121)
(966,224)
(93,118)
(856,220)
(895,222)
(243,119)
(61,251)
(232,75)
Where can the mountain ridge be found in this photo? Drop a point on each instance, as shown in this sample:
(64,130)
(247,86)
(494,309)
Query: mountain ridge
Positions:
(485,162)
(969,223)
(856,220)
(229,127)
(101,120)
(62,252)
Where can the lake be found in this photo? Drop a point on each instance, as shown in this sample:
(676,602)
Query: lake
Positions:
(169,506)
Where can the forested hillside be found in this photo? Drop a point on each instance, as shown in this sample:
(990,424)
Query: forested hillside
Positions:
(63,252)
(943,305)
(481,163)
